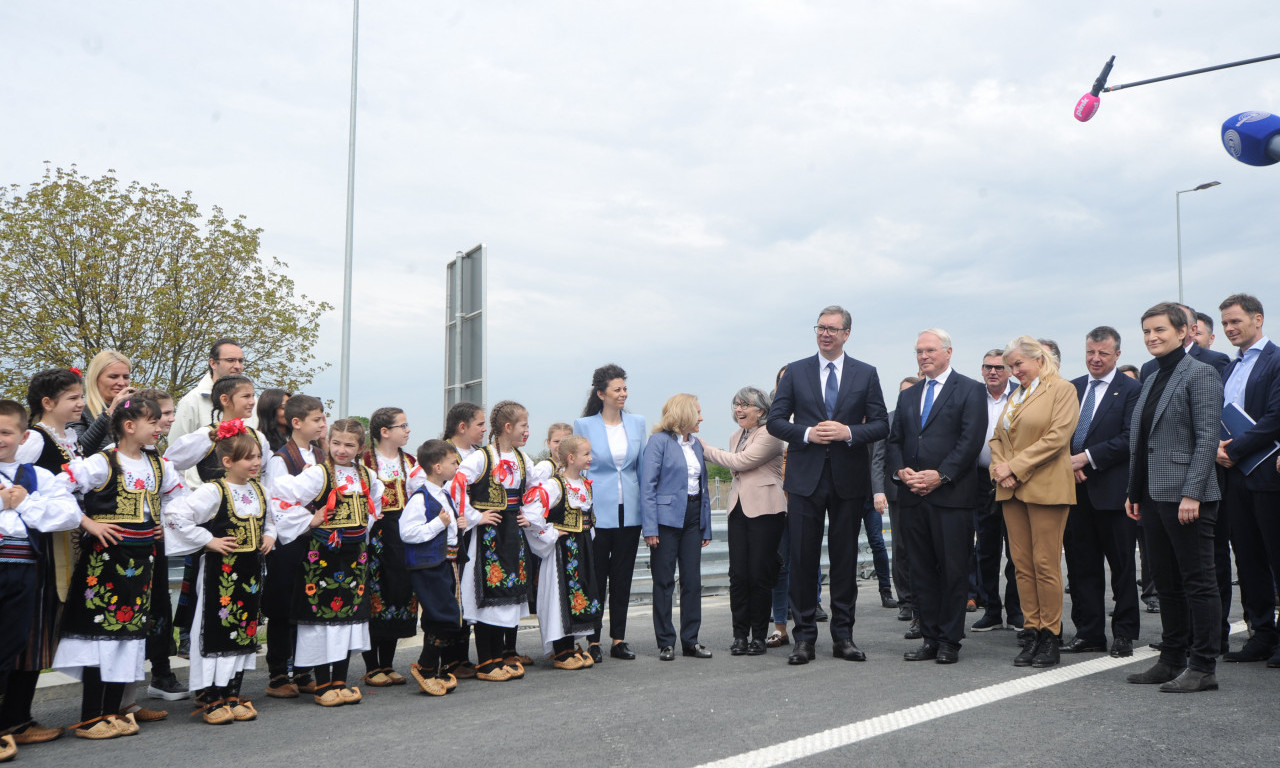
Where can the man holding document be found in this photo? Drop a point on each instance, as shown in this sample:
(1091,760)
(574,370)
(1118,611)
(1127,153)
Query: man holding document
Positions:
(1251,492)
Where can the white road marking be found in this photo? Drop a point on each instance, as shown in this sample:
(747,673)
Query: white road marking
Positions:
(843,736)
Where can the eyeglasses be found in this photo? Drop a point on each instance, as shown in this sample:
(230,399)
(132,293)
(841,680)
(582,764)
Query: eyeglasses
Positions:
(824,330)
(986,367)
(399,426)
(740,404)
(235,360)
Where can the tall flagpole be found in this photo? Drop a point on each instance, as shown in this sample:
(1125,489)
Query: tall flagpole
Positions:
(345,365)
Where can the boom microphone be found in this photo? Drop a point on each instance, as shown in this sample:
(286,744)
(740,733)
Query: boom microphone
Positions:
(1088,104)
(1252,138)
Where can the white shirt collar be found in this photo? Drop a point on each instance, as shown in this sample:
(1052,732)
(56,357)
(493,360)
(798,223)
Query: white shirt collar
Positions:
(1111,375)
(839,363)
(940,378)
(1259,344)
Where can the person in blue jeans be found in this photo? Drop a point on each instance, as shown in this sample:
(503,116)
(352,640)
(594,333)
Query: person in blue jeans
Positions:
(873,524)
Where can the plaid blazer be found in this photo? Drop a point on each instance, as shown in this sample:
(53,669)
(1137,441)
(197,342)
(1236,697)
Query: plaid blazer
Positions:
(1183,444)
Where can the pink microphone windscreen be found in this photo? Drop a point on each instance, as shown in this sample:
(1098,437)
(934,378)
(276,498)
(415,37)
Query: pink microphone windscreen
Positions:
(1086,107)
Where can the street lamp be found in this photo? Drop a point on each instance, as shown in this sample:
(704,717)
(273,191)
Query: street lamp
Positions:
(1177,201)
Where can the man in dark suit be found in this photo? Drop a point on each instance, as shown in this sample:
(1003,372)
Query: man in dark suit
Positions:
(1251,500)
(1218,360)
(829,409)
(1097,527)
(932,455)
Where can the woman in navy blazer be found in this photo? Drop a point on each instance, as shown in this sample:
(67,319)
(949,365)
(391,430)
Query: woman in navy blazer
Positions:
(617,439)
(675,518)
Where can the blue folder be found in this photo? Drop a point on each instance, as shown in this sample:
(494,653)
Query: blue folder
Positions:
(1236,422)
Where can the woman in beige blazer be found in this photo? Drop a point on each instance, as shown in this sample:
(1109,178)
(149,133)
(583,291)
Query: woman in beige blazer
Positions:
(1031,467)
(757,515)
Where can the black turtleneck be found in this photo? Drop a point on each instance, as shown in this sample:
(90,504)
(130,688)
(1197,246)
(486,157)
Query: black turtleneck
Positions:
(1138,484)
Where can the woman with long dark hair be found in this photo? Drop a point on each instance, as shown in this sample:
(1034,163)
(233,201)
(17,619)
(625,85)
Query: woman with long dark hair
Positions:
(617,440)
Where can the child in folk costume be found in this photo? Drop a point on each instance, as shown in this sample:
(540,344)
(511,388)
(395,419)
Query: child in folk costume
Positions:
(307,425)
(230,524)
(332,606)
(32,503)
(559,509)
(464,428)
(495,579)
(56,399)
(232,398)
(429,530)
(546,468)
(104,625)
(393,610)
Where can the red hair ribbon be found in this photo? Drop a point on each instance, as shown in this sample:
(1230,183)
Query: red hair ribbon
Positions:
(76,371)
(458,490)
(230,428)
(506,468)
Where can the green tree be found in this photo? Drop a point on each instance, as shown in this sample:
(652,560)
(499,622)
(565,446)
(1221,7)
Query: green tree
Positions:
(717,472)
(88,264)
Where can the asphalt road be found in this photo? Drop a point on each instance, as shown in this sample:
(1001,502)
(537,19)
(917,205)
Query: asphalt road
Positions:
(689,712)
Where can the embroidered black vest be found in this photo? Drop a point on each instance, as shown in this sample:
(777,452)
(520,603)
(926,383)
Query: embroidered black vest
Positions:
(486,493)
(568,517)
(52,456)
(395,492)
(111,502)
(293,461)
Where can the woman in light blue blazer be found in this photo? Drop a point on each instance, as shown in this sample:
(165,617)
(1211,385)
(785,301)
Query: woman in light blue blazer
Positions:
(675,518)
(617,439)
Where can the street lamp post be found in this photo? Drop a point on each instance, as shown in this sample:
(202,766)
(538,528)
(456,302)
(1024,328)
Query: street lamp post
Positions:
(1177,201)
(344,366)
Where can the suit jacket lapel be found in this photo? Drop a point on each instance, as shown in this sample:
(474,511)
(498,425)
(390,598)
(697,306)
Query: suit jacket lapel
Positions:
(1179,373)
(1258,368)
(941,398)
(1108,395)
(814,378)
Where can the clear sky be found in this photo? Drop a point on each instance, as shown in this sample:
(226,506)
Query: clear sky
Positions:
(677,187)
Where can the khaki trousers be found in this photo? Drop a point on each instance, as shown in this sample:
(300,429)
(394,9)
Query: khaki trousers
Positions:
(1035,544)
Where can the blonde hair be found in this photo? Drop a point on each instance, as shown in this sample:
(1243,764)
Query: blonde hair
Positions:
(1033,349)
(571,445)
(92,397)
(679,415)
(559,426)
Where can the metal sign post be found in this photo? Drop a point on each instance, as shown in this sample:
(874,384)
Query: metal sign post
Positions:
(465,362)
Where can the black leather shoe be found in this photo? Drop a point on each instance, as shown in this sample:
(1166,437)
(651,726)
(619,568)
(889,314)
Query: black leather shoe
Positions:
(1254,650)
(622,651)
(819,614)
(1274,661)
(947,654)
(1026,636)
(1121,648)
(1047,653)
(905,613)
(886,600)
(801,653)
(668,653)
(739,647)
(756,648)
(1029,651)
(1080,645)
(927,651)
(913,631)
(597,655)
(1191,681)
(988,622)
(1158,675)
(1153,604)
(697,651)
(847,650)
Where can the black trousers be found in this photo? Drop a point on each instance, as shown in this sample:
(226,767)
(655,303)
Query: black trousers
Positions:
(901,558)
(805,518)
(615,553)
(1093,535)
(991,533)
(1254,520)
(753,570)
(682,547)
(18,606)
(940,542)
(1183,567)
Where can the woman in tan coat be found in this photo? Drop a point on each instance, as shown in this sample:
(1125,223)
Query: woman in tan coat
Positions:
(1031,467)
(757,509)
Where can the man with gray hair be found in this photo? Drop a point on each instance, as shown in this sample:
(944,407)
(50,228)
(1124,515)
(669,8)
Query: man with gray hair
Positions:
(932,452)
(992,538)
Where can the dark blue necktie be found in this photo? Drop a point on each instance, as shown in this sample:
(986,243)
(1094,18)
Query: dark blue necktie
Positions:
(928,402)
(1086,417)
(832,391)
